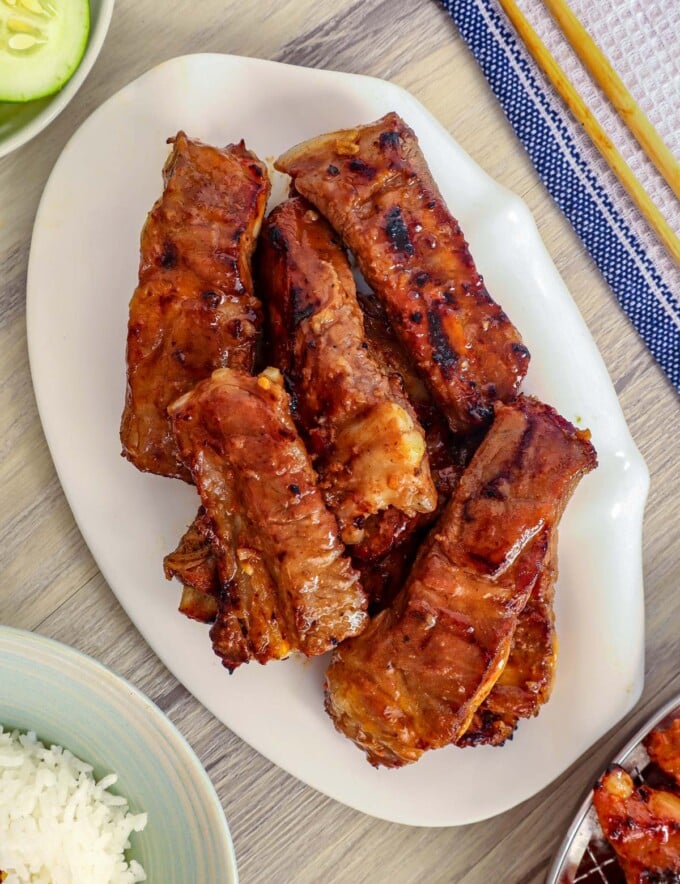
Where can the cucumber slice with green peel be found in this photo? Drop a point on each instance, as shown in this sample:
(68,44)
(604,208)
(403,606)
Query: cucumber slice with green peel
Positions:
(41,45)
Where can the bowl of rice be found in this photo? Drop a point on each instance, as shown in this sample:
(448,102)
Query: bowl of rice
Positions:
(96,784)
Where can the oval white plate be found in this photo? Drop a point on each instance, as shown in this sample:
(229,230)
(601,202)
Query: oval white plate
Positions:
(83,269)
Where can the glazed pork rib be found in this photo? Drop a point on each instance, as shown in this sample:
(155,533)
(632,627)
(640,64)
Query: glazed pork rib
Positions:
(663,746)
(368,446)
(194,309)
(389,546)
(526,681)
(285,582)
(447,452)
(414,679)
(527,678)
(642,825)
(374,186)
(195,566)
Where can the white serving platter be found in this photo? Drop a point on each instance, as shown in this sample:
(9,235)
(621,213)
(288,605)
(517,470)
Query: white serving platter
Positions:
(83,269)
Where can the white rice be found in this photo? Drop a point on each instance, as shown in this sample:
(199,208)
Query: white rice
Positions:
(57,824)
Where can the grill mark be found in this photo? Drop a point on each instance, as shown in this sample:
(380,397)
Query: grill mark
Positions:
(521,351)
(211,298)
(168,257)
(481,414)
(397,232)
(389,139)
(299,309)
(525,443)
(277,239)
(361,168)
(443,353)
(236,329)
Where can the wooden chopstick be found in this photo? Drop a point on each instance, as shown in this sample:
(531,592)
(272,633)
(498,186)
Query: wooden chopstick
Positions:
(580,110)
(610,83)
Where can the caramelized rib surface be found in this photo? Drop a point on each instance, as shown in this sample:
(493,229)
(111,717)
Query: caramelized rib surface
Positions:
(374,186)
(384,577)
(526,681)
(642,825)
(194,564)
(368,446)
(413,680)
(194,309)
(285,582)
(663,747)
(386,552)
(447,452)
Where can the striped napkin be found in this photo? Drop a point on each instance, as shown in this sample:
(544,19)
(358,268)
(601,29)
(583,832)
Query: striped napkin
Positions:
(641,38)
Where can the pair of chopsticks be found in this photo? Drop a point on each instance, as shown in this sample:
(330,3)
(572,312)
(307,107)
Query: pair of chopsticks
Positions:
(624,103)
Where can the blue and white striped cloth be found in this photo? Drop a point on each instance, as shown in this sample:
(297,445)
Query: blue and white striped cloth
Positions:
(642,276)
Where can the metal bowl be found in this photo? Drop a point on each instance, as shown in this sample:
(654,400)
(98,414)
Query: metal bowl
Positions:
(584,857)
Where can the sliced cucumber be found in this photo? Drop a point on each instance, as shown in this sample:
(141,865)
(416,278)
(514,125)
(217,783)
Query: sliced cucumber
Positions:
(41,45)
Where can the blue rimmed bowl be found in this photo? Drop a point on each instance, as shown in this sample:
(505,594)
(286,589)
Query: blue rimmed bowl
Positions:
(71,699)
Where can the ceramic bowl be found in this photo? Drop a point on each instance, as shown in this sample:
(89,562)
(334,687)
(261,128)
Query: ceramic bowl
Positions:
(20,123)
(70,699)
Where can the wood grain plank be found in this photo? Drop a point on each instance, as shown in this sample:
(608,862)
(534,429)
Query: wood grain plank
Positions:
(282,829)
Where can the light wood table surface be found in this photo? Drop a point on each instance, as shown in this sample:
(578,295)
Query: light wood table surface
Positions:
(283,831)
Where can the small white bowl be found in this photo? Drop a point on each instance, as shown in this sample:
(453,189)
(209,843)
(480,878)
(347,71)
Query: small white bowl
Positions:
(71,700)
(21,122)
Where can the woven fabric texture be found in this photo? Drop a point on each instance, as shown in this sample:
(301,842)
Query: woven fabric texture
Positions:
(641,38)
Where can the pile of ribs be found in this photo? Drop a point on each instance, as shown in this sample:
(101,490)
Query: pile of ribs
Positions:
(372,481)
